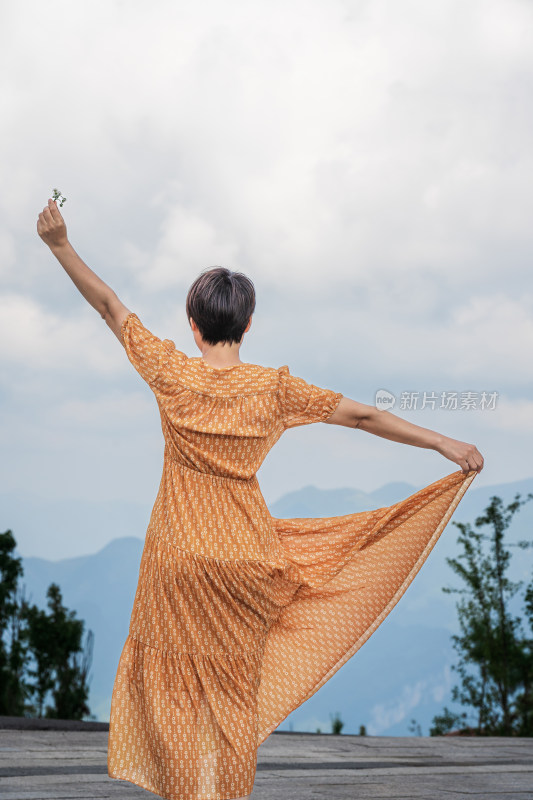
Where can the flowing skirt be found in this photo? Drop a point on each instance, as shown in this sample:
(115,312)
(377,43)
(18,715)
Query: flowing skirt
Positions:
(219,652)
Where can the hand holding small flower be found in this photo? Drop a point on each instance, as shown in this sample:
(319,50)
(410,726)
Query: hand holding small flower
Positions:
(51,226)
(58,196)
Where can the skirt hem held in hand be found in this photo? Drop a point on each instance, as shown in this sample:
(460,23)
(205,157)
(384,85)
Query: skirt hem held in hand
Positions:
(220,651)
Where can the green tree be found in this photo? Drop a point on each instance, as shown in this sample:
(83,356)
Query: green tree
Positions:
(37,634)
(54,641)
(48,642)
(13,655)
(495,652)
(447,721)
(336,724)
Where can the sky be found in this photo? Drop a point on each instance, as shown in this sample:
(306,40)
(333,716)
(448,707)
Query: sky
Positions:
(367,164)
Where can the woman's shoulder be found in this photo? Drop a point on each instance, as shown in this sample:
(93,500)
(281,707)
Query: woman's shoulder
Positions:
(238,379)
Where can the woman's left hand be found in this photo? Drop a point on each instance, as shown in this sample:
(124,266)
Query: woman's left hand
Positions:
(51,226)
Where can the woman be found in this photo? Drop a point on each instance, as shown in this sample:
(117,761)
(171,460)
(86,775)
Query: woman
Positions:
(240,617)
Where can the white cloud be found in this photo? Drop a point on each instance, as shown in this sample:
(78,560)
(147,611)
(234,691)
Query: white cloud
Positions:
(35,338)
(115,411)
(187,242)
(389,139)
(440,692)
(512,415)
(369,165)
(7,254)
(384,716)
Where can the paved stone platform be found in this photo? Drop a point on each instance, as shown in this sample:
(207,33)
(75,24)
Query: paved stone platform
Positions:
(72,764)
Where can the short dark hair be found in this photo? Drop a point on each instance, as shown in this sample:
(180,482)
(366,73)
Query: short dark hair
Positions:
(221,302)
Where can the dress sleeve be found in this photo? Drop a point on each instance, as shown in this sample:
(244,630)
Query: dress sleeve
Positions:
(302,403)
(147,352)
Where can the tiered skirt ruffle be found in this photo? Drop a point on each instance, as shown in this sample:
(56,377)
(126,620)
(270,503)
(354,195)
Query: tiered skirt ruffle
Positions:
(219,652)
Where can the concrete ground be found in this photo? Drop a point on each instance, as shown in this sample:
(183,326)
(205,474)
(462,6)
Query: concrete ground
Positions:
(67,762)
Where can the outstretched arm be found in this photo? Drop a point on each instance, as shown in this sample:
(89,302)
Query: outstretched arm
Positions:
(352,414)
(53,231)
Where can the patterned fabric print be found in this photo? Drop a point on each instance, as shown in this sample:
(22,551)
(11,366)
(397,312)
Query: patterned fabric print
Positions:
(239,617)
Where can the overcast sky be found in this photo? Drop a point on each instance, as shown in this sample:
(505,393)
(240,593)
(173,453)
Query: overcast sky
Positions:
(368,164)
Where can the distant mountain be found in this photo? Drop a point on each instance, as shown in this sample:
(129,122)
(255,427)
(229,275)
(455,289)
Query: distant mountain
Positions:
(415,637)
(313,502)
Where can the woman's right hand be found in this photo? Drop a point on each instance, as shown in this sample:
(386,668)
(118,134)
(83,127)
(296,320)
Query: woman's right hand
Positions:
(466,455)
(51,226)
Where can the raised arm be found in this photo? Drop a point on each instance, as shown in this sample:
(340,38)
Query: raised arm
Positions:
(389,426)
(53,231)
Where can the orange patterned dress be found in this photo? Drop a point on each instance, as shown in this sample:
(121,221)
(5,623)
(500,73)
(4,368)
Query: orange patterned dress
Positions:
(239,617)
